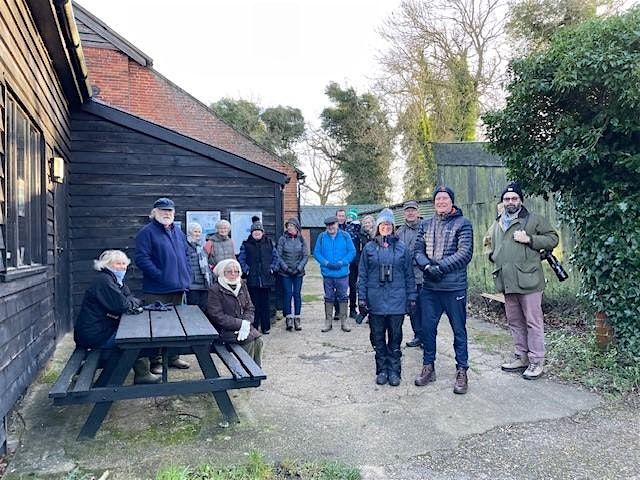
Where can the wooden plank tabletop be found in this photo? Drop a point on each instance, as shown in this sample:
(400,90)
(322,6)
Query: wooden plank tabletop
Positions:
(134,328)
(195,323)
(166,326)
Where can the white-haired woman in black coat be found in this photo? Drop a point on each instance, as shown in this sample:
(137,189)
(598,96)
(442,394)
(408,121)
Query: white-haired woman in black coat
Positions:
(104,303)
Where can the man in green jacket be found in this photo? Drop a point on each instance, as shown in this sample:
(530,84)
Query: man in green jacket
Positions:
(513,244)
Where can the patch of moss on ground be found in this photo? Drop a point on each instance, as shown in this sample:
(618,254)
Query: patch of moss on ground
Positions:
(311,297)
(168,431)
(492,342)
(49,375)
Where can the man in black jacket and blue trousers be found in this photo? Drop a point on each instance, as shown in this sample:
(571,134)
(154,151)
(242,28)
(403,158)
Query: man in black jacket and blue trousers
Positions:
(443,249)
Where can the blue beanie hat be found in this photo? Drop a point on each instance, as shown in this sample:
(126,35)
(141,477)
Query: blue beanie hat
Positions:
(446,190)
(386,215)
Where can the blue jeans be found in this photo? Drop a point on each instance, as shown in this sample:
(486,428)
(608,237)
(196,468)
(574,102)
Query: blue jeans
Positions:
(336,289)
(292,286)
(433,305)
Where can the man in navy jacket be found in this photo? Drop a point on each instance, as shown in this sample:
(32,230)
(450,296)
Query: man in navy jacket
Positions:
(162,256)
(443,249)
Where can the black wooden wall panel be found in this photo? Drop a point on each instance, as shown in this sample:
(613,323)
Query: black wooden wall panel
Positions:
(116,173)
(27,320)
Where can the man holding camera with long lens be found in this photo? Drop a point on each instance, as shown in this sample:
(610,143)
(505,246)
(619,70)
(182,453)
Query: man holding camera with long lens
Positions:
(514,243)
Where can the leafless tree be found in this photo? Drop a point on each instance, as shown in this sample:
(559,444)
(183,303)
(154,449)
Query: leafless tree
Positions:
(318,160)
(427,37)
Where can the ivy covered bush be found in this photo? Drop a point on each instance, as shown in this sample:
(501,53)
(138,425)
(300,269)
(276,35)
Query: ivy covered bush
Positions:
(571,128)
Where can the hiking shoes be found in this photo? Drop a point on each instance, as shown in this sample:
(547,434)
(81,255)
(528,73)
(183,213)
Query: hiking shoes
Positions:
(382,378)
(427,375)
(462,382)
(518,364)
(534,371)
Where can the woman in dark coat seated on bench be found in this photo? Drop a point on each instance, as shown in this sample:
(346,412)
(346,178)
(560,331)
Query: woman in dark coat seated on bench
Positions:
(105,301)
(230,309)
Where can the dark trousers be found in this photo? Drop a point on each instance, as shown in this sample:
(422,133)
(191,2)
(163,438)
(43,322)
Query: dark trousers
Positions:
(433,305)
(386,335)
(260,299)
(292,287)
(353,280)
(199,298)
(416,316)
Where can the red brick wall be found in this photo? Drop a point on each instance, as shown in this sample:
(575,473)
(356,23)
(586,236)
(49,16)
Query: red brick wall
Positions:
(139,90)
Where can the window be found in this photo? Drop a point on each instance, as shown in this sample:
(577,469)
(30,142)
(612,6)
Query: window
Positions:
(24,171)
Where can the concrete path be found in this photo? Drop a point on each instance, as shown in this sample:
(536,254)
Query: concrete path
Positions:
(320,402)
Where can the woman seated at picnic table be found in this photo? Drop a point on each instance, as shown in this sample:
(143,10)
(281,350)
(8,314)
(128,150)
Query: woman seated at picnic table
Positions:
(104,303)
(230,310)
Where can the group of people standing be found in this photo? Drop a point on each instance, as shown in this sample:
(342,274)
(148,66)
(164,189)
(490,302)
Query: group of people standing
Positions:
(178,268)
(369,268)
(420,269)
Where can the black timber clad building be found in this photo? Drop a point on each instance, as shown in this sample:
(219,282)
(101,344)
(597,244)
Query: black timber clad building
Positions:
(120,164)
(42,78)
(78,177)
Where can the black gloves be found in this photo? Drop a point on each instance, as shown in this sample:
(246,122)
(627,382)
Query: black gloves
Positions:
(363,311)
(433,272)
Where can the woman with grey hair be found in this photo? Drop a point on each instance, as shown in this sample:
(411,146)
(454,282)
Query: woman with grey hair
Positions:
(104,303)
(200,273)
(219,245)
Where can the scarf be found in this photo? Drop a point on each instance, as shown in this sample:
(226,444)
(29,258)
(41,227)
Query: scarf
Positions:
(219,271)
(203,259)
(507,219)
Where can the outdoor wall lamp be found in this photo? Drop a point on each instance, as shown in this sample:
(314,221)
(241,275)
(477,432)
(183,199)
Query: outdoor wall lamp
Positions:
(56,169)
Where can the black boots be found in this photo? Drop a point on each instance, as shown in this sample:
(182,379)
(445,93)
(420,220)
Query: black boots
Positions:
(289,323)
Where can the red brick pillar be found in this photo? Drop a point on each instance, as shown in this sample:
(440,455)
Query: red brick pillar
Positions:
(604,331)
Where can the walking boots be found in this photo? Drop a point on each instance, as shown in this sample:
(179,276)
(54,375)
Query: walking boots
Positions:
(141,373)
(344,309)
(289,322)
(427,375)
(328,317)
(296,323)
(462,383)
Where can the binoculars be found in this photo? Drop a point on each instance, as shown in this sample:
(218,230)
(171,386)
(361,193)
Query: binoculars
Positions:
(386,273)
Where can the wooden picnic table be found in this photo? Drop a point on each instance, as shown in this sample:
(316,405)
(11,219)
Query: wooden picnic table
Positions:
(182,330)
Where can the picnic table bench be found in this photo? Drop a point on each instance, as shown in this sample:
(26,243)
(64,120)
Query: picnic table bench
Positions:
(496,297)
(179,331)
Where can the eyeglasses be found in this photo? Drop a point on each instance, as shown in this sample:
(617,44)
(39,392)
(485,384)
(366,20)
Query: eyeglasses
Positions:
(232,271)
(510,199)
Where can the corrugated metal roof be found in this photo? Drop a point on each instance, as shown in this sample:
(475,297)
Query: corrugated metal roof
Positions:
(425,209)
(312,216)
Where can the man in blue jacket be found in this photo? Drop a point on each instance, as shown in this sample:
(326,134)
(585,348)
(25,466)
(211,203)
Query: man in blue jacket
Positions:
(163,258)
(443,249)
(334,251)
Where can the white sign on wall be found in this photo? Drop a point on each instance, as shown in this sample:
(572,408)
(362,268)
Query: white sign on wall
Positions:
(206,219)
(241,226)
